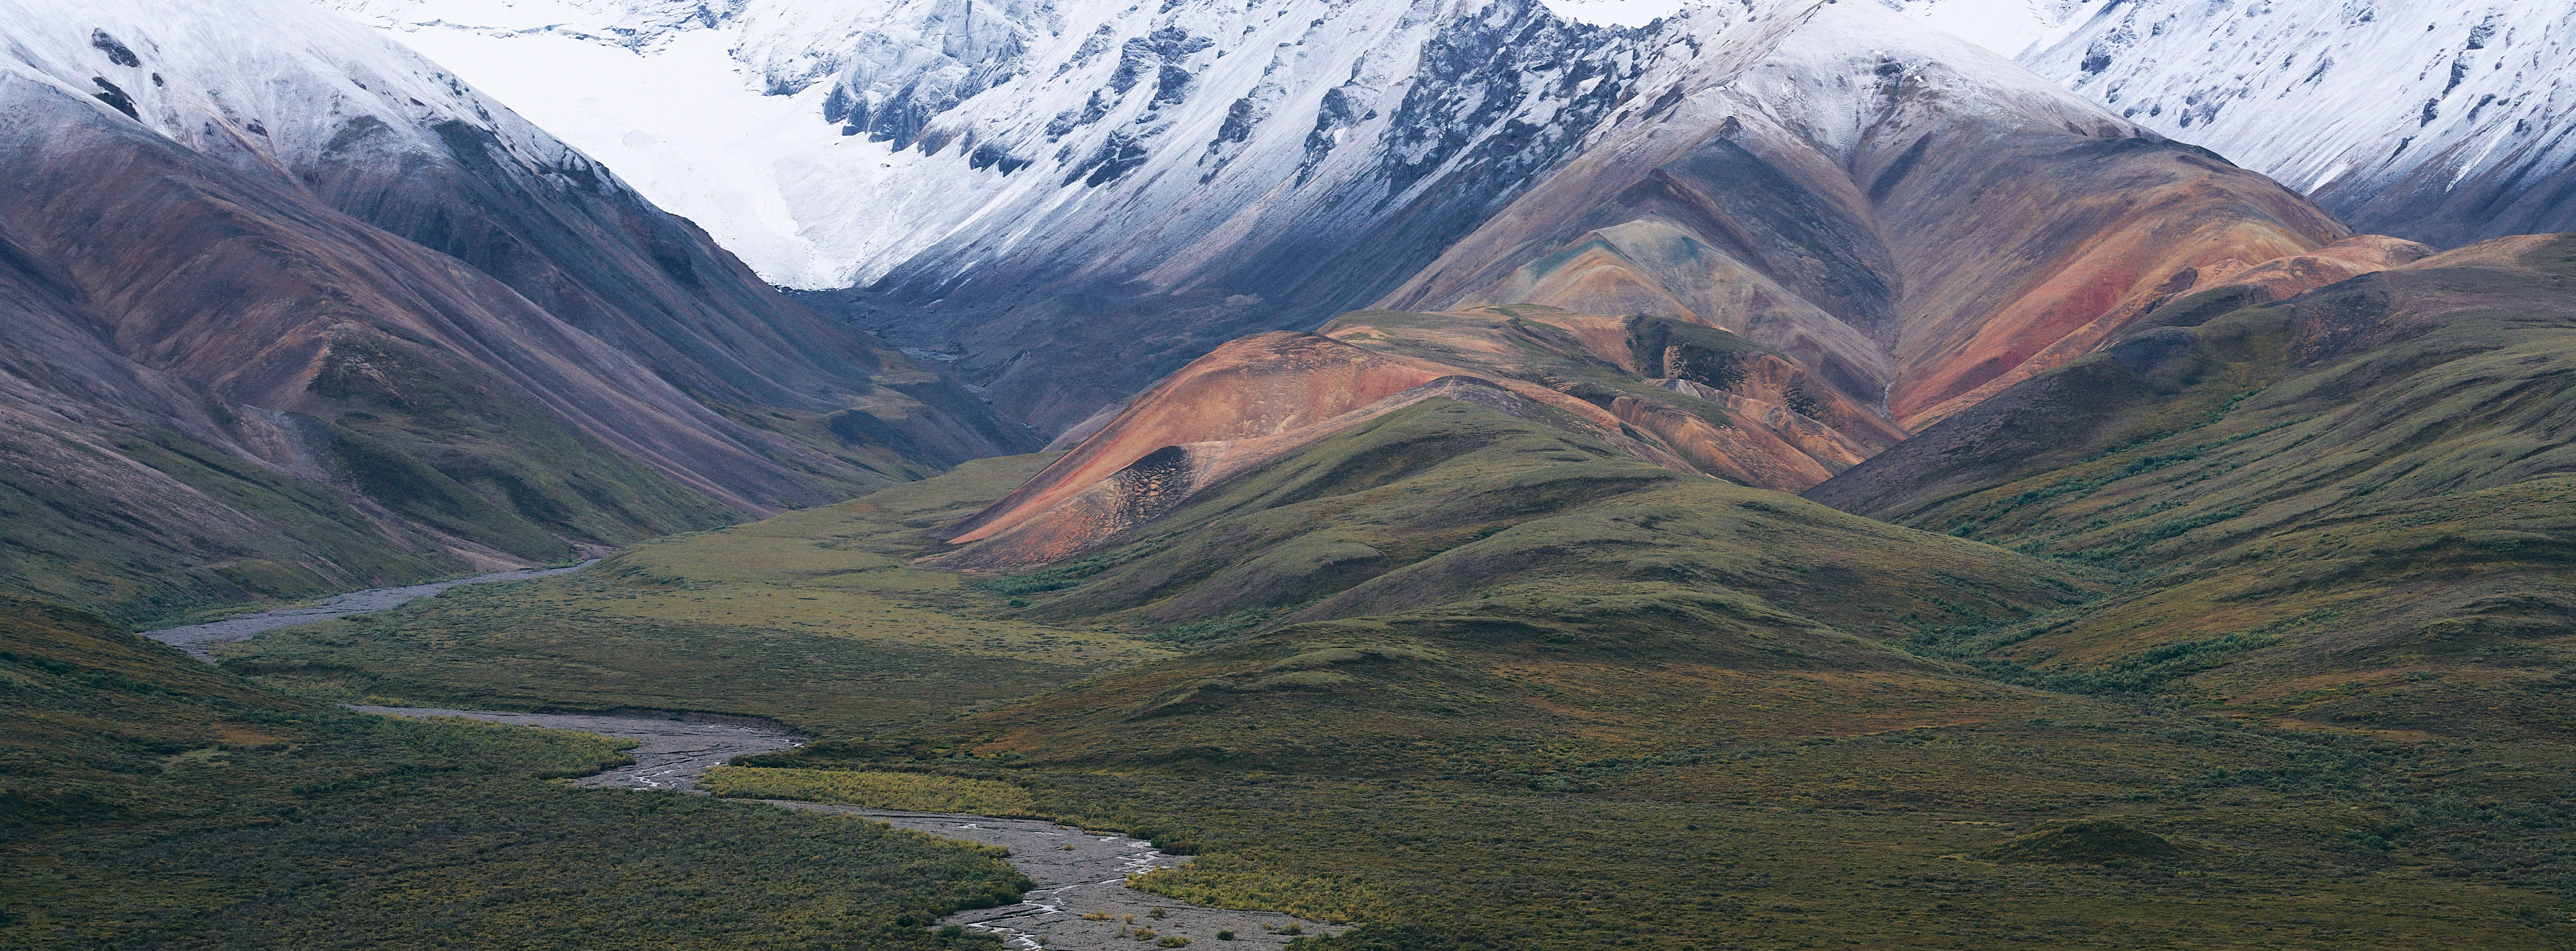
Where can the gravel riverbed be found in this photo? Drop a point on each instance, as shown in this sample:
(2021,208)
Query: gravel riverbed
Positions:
(1081,901)
(199,639)
(1078,872)
(672,750)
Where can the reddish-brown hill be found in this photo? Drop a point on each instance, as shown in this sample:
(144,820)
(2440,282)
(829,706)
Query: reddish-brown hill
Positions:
(1680,395)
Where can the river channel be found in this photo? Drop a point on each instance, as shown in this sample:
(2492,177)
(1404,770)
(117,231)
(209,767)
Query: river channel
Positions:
(200,639)
(1081,901)
(1078,872)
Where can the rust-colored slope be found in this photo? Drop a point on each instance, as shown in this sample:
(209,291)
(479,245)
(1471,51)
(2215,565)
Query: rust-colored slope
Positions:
(1684,396)
(2106,265)
(2227,281)
(1261,385)
(2283,278)
(1159,482)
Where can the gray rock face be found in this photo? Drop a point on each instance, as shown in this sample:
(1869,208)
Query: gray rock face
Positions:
(1233,201)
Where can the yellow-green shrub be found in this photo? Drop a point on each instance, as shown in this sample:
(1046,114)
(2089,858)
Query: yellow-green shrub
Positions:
(1226,881)
(921,792)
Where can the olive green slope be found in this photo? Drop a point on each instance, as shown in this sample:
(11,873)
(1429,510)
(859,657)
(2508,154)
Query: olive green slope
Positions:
(2355,508)
(69,534)
(429,471)
(1428,502)
(147,800)
(441,447)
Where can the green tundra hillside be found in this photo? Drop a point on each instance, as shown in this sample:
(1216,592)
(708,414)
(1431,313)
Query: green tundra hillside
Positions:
(2356,507)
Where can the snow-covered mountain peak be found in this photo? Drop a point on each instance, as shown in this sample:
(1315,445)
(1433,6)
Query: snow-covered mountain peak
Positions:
(1621,12)
(2440,120)
(829,143)
(1858,68)
(2429,73)
(634,23)
(279,88)
(2008,27)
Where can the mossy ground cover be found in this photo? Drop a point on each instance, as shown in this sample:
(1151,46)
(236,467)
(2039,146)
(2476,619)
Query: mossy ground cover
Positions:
(148,801)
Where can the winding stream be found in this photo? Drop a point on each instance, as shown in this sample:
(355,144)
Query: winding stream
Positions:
(199,639)
(672,750)
(1077,872)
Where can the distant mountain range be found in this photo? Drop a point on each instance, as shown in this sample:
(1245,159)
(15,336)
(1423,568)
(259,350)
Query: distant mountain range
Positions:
(480,346)
(1031,193)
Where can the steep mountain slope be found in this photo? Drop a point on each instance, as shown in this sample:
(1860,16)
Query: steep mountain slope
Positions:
(1856,233)
(1033,192)
(2348,506)
(247,381)
(1078,198)
(2438,121)
(1915,219)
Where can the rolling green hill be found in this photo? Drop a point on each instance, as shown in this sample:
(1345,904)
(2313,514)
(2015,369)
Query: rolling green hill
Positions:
(2355,508)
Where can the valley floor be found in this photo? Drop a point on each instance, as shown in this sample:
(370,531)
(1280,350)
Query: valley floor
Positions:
(1446,794)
